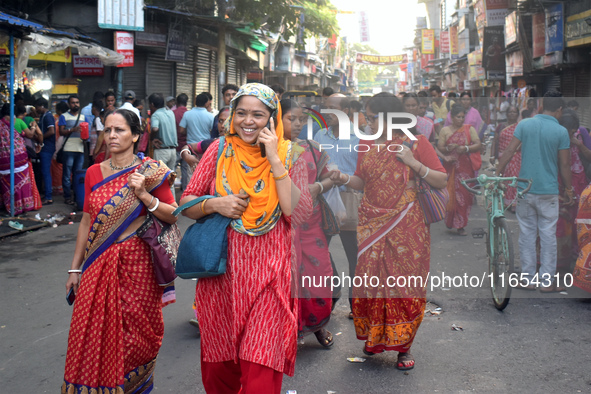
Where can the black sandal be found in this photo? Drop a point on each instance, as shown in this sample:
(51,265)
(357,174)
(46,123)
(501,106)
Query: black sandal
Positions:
(324,337)
(405,358)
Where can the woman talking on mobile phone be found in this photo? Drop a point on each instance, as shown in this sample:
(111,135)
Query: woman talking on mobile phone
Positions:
(248,316)
(117,325)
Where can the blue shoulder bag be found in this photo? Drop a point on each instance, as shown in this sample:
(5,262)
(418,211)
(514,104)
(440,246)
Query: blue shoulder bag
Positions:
(203,251)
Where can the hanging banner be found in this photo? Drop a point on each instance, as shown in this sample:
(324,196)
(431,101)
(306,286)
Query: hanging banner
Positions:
(176,50)
(378,60)
(444,41)
(363,26)
(554,28)
(428,41)
(494,46)
(539,34)
(454,47)
(511,28)
(124,46)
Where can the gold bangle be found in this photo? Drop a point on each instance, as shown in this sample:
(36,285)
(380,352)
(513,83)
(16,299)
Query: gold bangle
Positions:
(278,178)
(203,206)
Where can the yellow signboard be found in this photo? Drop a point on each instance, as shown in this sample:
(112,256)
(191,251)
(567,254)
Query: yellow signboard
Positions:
(428,41)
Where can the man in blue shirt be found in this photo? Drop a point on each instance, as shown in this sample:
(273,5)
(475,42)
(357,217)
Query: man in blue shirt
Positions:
(340,145)
(163,132)
(47,125)
(197,122)
(545,150)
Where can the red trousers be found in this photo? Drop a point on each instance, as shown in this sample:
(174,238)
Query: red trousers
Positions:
(244,378)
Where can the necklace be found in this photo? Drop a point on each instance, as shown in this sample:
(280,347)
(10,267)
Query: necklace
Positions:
(114,168)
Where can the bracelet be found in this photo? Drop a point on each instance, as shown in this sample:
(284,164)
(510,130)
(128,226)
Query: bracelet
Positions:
(155,205)
(467,149)
(185,150)
(426,173)
(278,178)
(151,201)
(321,187)
(203,206)
(74,271)
(348,180)
(420,168)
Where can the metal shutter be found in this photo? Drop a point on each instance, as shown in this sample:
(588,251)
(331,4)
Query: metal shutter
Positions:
(159,75)
(134,78)
(568,84)
(552,82)
(185,81)
(202,75)
(583,94)
(206,77)
(231,71)
(213,79)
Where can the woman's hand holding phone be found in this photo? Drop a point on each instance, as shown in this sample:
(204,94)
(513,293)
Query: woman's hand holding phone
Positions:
(268,139)
(72,287)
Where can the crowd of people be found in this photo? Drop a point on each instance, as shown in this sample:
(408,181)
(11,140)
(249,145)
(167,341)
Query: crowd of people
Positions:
(271,178)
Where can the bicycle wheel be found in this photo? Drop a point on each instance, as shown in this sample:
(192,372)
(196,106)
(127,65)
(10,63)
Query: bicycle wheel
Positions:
(501,266)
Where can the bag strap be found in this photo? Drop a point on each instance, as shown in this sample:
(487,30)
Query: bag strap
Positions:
(467,132)
(76,124)
(191,203)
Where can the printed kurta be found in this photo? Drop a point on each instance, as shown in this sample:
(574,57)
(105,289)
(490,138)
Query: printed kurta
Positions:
(249,313)
(514,164)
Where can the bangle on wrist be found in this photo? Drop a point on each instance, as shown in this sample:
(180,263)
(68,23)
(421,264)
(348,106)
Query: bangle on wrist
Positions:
(348,180)
(185,150)
(203,206)
(278,178)
(467,149)
(420,168)
(77,271)
(155,205)
(426,173)
(321,187)
(151,201)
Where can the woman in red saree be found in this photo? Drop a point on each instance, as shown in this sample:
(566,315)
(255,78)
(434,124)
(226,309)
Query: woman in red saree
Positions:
(310,246)
(247,316)
(566,230)
(394,241)
(117,325)
(458,141)
(24,200)
(514,165)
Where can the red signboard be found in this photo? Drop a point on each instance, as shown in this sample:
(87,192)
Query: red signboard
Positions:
(87,66)
(539,34)
(444,40)
(124,46)
(425,61)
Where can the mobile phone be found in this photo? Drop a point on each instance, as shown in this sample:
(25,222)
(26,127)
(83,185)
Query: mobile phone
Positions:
(261,145)
(71,296)
(408,145)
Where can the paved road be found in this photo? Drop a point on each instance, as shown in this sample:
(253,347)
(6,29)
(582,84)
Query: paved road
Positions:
(539,343)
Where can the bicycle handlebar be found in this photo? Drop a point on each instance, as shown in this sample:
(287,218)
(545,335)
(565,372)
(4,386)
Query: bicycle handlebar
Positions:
(482,179)
(529,182)
(471,180)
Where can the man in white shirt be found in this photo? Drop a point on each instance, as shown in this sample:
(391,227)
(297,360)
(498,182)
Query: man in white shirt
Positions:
(129,98)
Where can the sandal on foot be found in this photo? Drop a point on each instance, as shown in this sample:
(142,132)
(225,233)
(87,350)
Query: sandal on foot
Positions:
(46,202)
(367,352)
(462,232)
(351,315)
(324,337)
(404,359)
